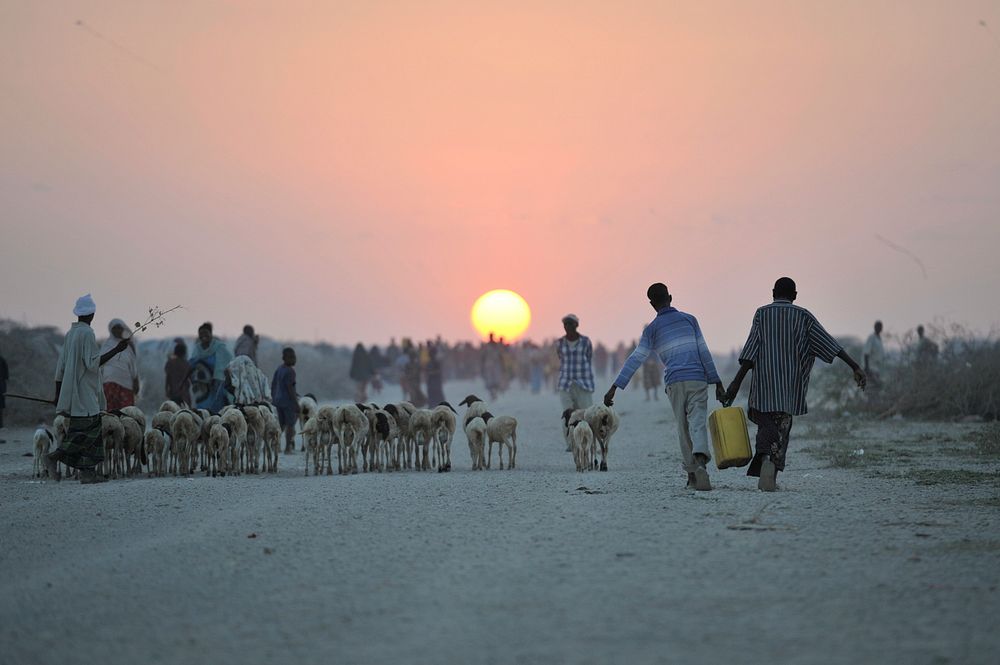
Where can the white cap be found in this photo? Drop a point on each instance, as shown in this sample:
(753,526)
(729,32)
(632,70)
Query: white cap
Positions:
(572,317)
(84,306)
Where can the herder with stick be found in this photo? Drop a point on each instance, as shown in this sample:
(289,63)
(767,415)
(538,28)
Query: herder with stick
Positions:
(79,395)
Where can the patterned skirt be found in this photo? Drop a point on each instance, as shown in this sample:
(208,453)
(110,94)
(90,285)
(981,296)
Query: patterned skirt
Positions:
(118,396)
(83,447)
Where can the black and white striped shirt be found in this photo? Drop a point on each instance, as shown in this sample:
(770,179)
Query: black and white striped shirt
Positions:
(784,342)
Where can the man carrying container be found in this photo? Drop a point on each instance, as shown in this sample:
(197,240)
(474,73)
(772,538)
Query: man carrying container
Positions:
(784,342)
(676,338)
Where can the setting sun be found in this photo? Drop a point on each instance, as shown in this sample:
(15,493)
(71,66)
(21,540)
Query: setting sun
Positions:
(501,312)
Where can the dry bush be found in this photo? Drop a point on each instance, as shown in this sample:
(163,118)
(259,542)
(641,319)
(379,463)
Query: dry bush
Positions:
(961,382)
(987,440)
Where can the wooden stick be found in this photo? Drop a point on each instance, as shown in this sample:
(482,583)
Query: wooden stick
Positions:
(30,398)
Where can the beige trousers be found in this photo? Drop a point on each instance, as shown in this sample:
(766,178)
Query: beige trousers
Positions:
(689,400)
(576,397)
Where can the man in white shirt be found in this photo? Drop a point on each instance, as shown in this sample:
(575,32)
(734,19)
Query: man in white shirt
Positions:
(79,396)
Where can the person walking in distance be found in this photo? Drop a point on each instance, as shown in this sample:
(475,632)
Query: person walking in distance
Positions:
(783,344)
(676,338)
(873,356)
(576,371)
(285,398)
(247,343)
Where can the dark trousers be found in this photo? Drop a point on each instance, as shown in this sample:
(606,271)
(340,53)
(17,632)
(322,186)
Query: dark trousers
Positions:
(773,430)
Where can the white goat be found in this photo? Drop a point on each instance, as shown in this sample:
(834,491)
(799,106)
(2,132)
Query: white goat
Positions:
(351,426)
(43,441)
(185,427)
(156,444)
(307,409)
(217,448)
(501,430)
(237,437)
(583,445)
(112,434)
(132,440)
(272,438)
(444,421)
(422,432)
(475,433)
(604,423)
(310,440)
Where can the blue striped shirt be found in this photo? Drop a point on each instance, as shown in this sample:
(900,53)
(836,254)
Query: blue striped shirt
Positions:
(676,338)
(784,342)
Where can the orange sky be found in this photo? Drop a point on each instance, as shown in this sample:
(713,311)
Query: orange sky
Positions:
(361,170)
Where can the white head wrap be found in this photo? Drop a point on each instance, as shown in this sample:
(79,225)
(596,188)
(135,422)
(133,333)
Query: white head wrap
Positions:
(572,317)
(126,332)
(84,306)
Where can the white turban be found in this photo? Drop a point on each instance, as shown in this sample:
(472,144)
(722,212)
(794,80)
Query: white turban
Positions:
(84,306)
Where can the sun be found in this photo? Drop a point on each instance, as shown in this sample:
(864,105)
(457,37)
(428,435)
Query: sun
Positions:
(501,312)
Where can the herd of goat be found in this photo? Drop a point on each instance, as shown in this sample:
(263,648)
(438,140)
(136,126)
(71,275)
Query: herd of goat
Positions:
(247,438)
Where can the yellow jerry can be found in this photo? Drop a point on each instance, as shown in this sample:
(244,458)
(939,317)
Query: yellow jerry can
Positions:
(730,439)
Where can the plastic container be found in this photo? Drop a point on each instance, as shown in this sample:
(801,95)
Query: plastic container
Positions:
(730,439)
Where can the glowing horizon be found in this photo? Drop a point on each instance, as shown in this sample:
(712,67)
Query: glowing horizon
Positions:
(360,171)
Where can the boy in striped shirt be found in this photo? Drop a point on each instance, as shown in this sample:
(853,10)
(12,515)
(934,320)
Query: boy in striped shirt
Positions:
(676,338)
(784,342)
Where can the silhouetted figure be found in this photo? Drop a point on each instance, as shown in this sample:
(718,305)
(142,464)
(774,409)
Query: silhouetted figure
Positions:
(676,339)
(361,372)
(247,343)
(434,375)
(492,367)
(783,344)
(873,356)
(178,376)
(927,351)
(285,397)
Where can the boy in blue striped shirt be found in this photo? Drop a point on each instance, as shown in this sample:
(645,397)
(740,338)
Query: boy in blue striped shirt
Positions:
(676,338)
(784,342)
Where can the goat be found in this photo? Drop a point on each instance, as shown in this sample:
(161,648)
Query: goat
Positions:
(475,433)
(443,422)
(583,445)
(272,438)
(422,431)
(326,433)
(570,418)
(307,409)
(310,440)
(501,430)
(112,434)
(132,454)
(218,447)
(43,440)
(184,430)
(237,437)
(156,444)
(604,423)
(254,437)
(352,427)
(402,454)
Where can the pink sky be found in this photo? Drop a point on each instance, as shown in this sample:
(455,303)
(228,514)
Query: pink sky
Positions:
(361,170)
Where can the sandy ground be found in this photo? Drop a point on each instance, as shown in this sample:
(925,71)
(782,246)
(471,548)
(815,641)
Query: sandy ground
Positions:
(895,558)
